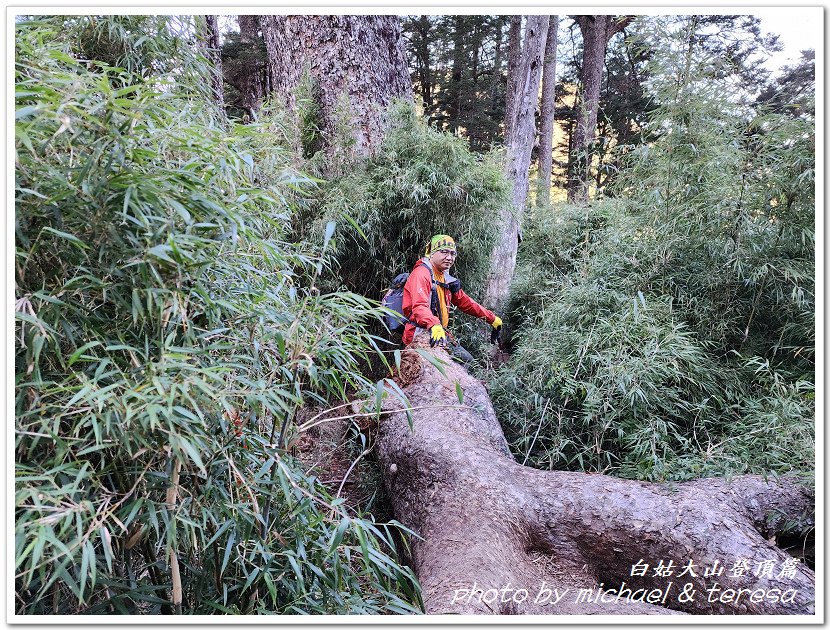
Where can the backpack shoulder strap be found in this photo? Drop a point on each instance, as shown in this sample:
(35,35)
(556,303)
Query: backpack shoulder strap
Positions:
(433,302)
(425,262)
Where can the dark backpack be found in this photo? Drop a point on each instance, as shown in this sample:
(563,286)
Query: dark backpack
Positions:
(393,299)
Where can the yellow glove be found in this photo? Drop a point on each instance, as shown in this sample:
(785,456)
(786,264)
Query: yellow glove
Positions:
(438,336)
(495,334)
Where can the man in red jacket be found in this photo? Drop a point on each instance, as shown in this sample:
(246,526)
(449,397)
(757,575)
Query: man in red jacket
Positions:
(430,290)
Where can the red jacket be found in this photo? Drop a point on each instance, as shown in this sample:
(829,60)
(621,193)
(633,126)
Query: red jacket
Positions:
(416,298)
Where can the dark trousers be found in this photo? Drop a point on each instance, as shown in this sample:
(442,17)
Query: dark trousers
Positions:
(460,354)
(456,350)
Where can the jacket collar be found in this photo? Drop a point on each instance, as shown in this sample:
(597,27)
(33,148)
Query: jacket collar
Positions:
(447,277)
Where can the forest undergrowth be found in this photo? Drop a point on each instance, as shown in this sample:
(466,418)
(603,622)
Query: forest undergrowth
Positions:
(168,332)
(666,331)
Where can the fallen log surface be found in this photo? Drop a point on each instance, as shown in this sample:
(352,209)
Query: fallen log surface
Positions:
(501,538)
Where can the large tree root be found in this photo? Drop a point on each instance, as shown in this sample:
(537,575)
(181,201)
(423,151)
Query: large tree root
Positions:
(501,538)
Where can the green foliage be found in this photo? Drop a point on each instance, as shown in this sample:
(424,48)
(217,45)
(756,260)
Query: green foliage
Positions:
(421,182)
(608,374)
(730,192)
(458,65)
(144,46)
(166,335)
(326,141)
(243,69)
(794,92)
(733,46)
(311,140)
(669,333)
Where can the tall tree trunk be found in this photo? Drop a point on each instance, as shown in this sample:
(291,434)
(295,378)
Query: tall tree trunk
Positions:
(248,27)
(250,82)
(519,147)
(547,115)
(495,83)
(475,132)
(489,528)
(211,42)
(357,64)
(456,74)
(514,59)
(423,26)
(596,31)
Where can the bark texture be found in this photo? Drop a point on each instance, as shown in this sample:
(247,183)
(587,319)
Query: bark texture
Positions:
(495,80)
(454,112)
(547,113)
(487,522)
(514,58)
(597,30)
(357,66)
(214,54)
(250,79)
(521,126)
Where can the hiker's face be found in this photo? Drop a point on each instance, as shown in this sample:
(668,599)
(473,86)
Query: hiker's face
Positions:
(443,259)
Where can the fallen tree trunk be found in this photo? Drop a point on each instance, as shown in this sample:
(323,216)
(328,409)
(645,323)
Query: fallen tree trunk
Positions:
(501,538)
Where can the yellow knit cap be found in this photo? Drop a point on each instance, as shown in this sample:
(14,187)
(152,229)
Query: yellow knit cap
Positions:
(440,241)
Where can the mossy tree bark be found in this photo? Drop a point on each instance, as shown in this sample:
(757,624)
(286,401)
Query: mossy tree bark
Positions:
(487,522)
(356,64)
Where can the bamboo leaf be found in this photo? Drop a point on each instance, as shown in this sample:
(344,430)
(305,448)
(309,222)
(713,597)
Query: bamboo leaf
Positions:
(80,352)
(74,240)
(330,226)
(228,549)
(337,537)
(26,111)
(162,252)
(192,452)
(106,541)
